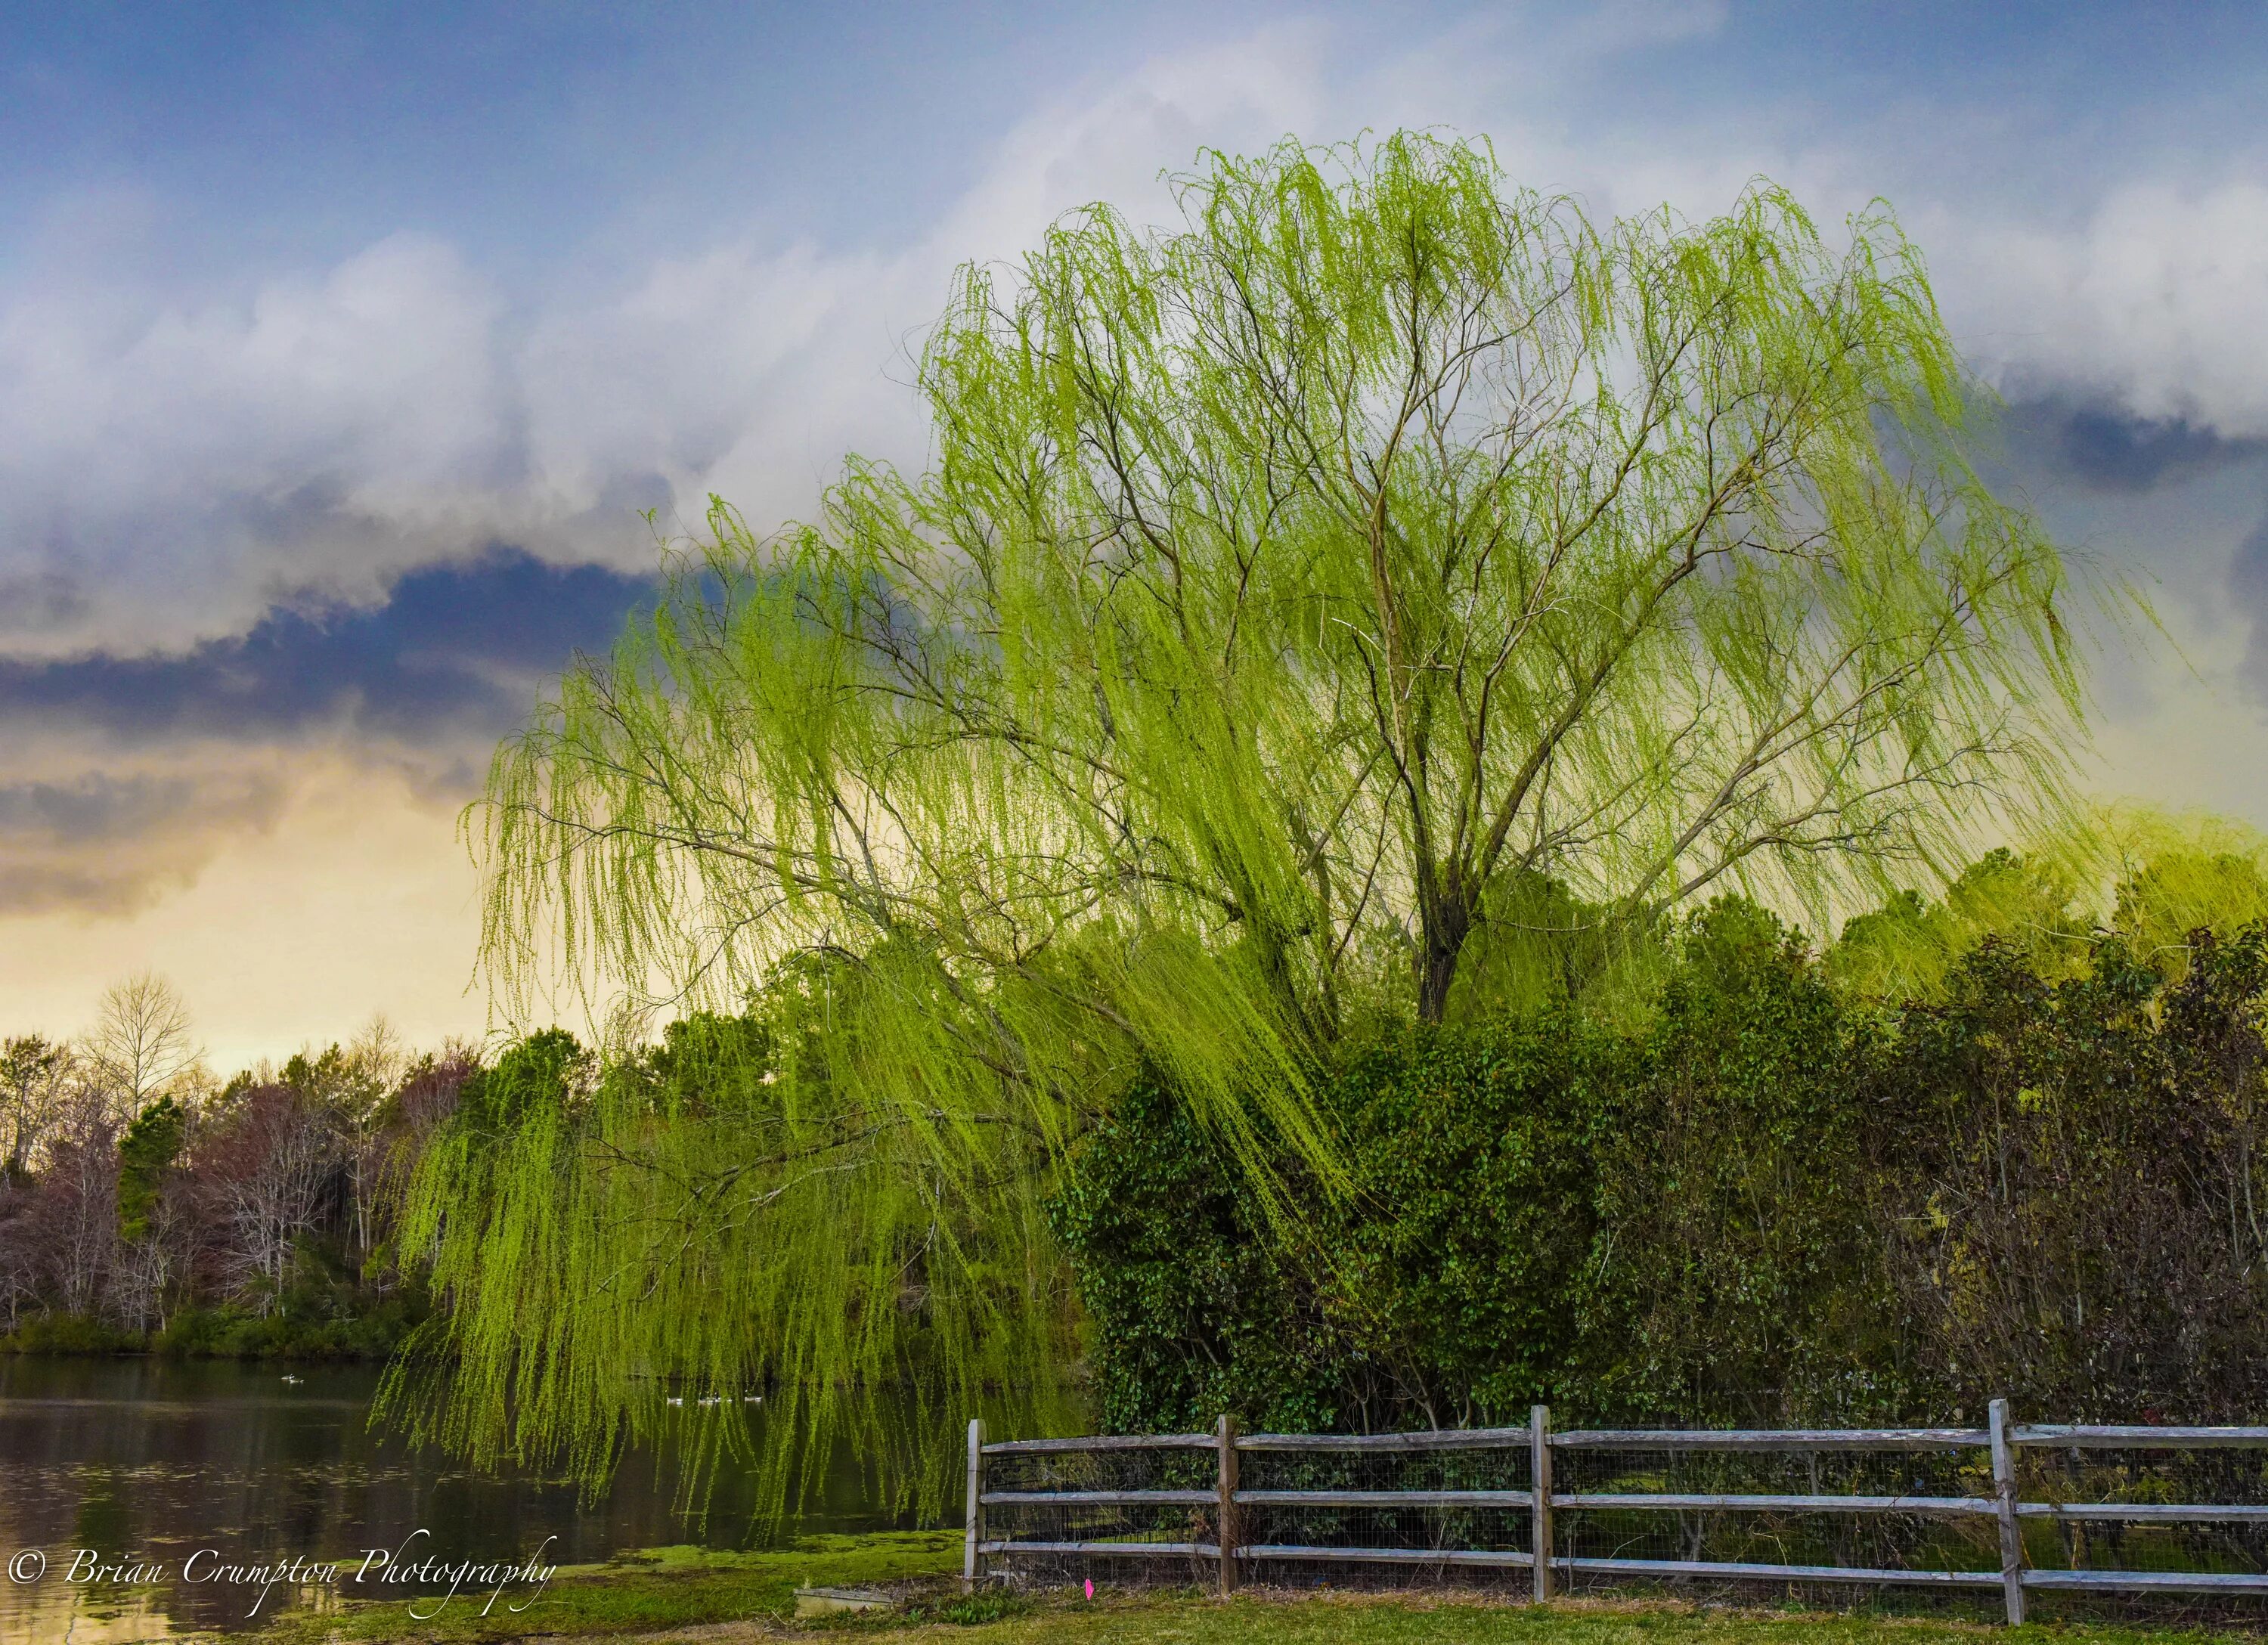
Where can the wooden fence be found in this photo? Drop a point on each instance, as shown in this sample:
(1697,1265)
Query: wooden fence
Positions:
(2003,1438)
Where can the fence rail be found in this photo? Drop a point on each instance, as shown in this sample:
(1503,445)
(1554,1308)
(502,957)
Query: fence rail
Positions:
(2003,1439)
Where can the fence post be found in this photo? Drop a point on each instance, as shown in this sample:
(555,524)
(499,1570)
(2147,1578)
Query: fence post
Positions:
(972,1562)
(2004,1491)
(1539,1482)
(1225,1528)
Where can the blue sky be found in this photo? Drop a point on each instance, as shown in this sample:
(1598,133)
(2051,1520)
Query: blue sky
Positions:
(340,348)
(534,135)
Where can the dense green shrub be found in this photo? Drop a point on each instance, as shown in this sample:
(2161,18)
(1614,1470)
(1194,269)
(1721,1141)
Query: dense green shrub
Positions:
(227,1333)
(1771,1201)
(1736,1274)
(320,1314)
(67,1333)
(1456,1265)
(1193,1307)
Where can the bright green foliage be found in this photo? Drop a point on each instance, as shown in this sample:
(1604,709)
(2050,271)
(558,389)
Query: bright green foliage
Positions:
(1908,948)
(1384,566)
(611,1223)
(2152,877)
(2178,876)
(149,1148)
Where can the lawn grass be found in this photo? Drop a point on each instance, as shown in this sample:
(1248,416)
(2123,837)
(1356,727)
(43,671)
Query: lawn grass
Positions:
(647,1592)
(1453,1619)
(728,1597)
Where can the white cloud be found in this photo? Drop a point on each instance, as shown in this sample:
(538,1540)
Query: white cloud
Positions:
(168,467)
(388,357)
(751,374)
(2157,303)
(164,460)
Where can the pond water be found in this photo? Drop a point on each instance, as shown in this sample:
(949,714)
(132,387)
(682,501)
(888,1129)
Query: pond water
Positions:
(198,1467)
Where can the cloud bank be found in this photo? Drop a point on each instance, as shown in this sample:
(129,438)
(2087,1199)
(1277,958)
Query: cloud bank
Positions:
(171,467)
(255,518)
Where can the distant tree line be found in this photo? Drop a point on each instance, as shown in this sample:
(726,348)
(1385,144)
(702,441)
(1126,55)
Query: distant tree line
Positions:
(142,1201)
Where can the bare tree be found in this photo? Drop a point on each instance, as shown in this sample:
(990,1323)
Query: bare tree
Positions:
(375,1060)
(379,1053)
(421,1102)
(20,1267)
(141,1273)
(141,1040)
(266,1169)
(73,1216)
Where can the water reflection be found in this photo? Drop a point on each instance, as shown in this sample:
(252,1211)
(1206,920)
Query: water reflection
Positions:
(157,1460)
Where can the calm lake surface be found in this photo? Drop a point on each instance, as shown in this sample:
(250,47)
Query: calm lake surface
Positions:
(157,1460)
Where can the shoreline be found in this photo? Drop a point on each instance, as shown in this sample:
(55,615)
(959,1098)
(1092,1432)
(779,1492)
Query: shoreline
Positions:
(221,1334)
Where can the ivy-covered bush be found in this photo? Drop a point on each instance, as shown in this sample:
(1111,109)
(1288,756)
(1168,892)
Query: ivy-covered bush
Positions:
(1192,1305)
(1437,1285)
(1774,1200)
(1736,1273)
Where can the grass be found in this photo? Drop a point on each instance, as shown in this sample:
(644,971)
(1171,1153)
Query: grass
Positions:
(729,1597)
(1453,1619)
(642,1593)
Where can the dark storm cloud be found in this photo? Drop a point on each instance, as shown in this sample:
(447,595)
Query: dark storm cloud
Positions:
(2112,452)
(99,807)
(104,843)
(78,888)
(451,653)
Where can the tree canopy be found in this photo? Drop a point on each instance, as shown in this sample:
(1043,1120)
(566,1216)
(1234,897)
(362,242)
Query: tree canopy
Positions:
(1310,613)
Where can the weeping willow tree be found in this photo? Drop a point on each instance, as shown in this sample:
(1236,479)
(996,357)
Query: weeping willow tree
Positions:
(1304,607)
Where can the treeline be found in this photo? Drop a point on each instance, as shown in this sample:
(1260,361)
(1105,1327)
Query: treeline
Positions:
(1777,1194)
(144,1204)
(1992,1143)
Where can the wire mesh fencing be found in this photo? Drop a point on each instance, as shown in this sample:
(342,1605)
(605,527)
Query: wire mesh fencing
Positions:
(2169,1515)
(1144,1507)
(2062,1519)
(1895,1520)
(1397,1509)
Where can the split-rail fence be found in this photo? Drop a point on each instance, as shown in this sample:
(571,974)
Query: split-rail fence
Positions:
(1224,1502)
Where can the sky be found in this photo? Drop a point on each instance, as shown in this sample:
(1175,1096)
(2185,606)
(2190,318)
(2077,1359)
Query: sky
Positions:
(343,350)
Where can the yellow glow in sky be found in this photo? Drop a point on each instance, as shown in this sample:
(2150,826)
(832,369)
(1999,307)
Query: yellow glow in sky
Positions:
(360,899)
